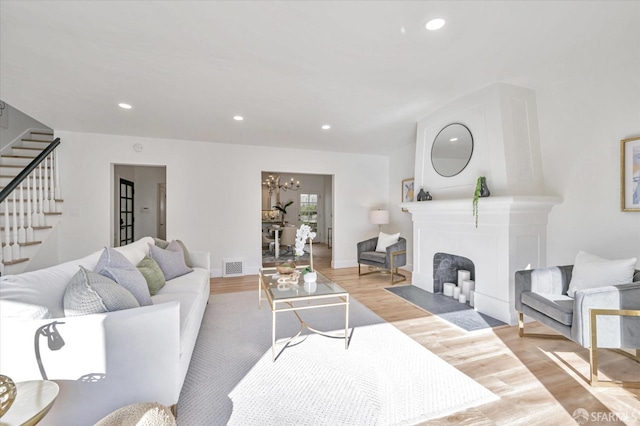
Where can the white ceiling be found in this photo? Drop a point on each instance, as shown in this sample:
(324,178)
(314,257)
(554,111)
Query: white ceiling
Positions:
(289,67)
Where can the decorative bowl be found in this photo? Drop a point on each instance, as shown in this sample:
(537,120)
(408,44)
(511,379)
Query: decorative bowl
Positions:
(286,268)
(7,394)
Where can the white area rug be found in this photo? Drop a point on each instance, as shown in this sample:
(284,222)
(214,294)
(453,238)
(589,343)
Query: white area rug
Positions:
(384,378)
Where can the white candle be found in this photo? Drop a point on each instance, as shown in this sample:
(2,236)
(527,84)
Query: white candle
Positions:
(462,299)
(448,289)
(467,286)
(456,292)
(472,295)
(463,275)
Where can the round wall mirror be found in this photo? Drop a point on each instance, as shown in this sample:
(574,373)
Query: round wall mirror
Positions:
(452,149)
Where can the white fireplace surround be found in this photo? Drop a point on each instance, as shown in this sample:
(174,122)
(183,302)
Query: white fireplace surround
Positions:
(511,236)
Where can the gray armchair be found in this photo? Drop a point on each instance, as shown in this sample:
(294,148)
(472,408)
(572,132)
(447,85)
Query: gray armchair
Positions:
(389,261)
(602,317)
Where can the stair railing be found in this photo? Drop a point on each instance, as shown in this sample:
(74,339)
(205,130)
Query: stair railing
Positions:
(7,190)
(42,189)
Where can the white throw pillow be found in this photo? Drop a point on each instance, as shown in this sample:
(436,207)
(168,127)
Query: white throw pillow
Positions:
(385,240)
(136,251)
(590,271)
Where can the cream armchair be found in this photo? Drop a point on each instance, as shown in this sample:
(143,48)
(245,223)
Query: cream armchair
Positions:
(602,317)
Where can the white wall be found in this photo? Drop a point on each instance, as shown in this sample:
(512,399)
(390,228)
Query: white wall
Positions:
(582,121)
(401,166)
(213,197)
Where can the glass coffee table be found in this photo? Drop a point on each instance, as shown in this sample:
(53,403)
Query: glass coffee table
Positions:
(285,296)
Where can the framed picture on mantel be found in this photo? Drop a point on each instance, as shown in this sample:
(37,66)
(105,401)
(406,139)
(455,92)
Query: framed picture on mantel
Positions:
(630,174)
(407,191)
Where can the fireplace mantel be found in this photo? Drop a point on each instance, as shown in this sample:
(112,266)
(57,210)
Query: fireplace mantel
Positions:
(511,235)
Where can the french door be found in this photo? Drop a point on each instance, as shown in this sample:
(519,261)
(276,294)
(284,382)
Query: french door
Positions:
(126,212)
(309,210)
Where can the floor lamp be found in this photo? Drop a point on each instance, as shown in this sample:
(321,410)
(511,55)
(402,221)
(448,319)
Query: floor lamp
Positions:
(379,217)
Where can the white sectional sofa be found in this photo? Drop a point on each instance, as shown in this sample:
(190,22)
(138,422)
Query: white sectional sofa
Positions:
(108,360)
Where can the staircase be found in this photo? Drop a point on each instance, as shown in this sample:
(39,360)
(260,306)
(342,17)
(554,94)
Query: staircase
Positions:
(30,202)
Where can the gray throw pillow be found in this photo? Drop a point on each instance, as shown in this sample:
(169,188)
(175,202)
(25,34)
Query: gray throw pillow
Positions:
(164,244)
(171,260)
(113,258)
(114,265)
(132,280)
(90,293)
(152,274)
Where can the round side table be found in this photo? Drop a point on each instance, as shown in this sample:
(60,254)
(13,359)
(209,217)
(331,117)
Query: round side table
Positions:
(33,401)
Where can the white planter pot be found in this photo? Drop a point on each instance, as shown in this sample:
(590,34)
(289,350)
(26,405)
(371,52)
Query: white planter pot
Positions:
(310,277)
(310,287)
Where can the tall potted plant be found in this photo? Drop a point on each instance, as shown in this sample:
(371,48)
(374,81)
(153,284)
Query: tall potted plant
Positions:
(283,209)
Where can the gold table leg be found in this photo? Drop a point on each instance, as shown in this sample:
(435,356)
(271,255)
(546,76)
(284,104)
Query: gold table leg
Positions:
(593,349)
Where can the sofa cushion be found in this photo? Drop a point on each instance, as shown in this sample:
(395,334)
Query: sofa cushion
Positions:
(373,256)
(385,240)
(91,293)
(556,306)
(164,244)
(171,260)
(190,283)
(112,264)
(590,271)
(152,274)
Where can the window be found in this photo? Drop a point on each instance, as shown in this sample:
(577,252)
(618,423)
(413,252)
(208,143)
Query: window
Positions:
(309,210)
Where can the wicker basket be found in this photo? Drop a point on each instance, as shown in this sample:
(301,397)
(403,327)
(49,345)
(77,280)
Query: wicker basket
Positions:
(286,268)
(7,394)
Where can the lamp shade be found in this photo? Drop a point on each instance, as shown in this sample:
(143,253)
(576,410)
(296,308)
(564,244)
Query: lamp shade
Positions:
(379,217)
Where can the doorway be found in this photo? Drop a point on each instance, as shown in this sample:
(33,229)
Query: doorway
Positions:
(309,203)
(139,203)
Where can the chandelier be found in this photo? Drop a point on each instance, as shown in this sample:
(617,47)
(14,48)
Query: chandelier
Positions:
(273,182)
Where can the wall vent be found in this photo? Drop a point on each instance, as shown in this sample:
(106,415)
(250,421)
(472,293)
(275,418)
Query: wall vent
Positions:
(232,267)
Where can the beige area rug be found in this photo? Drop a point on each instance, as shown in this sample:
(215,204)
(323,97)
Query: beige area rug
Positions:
(384,378)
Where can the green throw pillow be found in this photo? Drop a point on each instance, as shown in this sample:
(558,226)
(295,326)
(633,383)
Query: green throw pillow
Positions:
(164,244)
(152,273)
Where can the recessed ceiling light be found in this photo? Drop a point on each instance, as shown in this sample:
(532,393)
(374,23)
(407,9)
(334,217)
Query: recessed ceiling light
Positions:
(125,106)
(326,127)
(453,139)
(435,24)
(238,117)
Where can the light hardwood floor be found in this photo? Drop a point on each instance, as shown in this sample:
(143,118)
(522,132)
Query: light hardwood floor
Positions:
(539,381)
